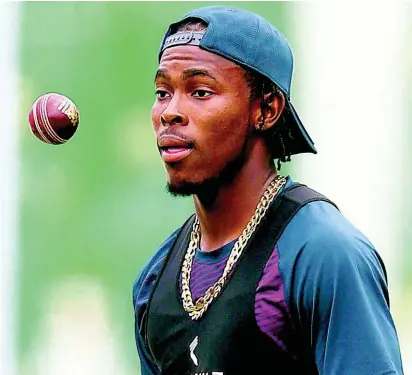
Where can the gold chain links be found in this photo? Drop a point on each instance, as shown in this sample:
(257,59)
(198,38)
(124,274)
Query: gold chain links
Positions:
(197,309)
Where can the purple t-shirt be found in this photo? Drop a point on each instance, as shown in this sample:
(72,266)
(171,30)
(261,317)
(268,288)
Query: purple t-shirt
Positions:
(324,280)
(270,307)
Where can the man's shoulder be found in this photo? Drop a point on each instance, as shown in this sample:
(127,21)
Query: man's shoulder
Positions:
(147,276)
(320,227)
(321,246)
(161,251)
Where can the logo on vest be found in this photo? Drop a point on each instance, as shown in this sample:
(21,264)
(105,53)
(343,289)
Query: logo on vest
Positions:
(193,345)
(192,348)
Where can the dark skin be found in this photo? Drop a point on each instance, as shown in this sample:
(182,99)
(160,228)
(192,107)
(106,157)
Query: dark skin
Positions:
(202,98)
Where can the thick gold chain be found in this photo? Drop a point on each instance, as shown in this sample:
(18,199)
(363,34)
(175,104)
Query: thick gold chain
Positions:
(197,309)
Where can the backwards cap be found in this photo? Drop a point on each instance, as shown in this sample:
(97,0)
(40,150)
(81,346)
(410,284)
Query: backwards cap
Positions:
(249,40)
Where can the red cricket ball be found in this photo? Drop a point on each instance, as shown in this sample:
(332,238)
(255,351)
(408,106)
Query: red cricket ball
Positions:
(53,118)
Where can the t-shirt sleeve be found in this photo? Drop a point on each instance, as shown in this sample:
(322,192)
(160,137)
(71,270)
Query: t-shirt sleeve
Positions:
(141,293)
(142,289)
(341,299)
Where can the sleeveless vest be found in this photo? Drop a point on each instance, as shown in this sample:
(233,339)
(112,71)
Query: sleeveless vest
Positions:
(226,340)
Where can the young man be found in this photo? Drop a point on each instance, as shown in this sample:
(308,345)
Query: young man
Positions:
(266,276)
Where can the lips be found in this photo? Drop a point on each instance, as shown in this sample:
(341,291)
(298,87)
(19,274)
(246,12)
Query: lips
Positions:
(173,148)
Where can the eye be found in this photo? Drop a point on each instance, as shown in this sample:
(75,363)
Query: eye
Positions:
(162,94)
(201,94)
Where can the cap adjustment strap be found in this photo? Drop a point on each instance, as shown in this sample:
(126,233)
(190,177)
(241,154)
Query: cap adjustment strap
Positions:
(183,38)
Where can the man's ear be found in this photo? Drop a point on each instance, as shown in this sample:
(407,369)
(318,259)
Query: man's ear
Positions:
(273,105)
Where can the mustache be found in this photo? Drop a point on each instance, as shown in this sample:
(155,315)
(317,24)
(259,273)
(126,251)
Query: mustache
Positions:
(174,132)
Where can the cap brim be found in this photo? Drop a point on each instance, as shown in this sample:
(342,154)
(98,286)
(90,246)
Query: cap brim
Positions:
(298,141)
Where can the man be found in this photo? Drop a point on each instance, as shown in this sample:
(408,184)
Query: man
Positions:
(266,276)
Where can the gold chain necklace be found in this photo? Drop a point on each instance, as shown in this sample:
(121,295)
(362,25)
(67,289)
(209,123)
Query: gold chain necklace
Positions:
(197,309)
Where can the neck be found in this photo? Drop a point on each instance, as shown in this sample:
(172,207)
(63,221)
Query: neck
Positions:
(224,220)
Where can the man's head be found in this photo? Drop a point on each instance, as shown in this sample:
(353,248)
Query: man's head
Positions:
(214,113)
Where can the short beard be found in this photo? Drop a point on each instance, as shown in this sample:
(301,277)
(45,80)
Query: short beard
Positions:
(208,189)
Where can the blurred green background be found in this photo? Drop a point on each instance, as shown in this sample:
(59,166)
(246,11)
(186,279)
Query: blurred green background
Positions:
(96,208)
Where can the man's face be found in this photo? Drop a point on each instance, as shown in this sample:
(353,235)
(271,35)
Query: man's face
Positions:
(200,117)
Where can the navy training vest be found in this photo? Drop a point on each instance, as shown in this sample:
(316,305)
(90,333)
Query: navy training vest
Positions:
(226,340)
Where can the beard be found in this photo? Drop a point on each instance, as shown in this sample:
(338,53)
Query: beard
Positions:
(207,189)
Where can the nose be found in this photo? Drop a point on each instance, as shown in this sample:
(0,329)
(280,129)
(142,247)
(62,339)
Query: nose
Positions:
(172,116)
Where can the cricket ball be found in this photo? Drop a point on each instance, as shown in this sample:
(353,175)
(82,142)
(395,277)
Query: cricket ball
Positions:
(53,118)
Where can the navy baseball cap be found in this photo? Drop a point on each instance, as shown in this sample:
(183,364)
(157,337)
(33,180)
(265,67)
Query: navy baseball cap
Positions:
(249,40)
